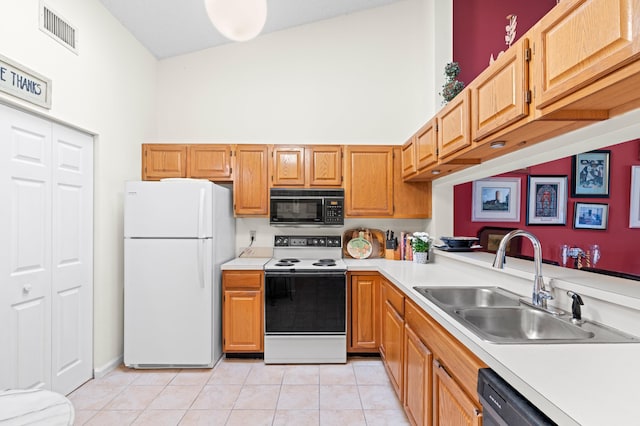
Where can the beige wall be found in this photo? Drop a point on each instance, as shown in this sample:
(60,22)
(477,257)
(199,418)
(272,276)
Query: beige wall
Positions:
(108,89)
(366,77)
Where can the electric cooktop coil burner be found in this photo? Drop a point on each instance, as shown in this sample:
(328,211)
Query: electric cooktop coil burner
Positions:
(325,262)
(287,262)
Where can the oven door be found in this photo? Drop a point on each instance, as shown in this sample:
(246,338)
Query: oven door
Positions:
(296,211)
(305,303)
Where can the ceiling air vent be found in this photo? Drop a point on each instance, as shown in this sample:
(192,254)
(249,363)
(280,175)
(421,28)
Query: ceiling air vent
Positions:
(58,28)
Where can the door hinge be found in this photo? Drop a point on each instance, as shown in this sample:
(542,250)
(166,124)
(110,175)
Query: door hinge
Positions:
(436,126)
(527,96)
(230,170)
(527,54)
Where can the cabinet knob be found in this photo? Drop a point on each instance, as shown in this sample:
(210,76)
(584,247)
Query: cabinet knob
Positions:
(26,289)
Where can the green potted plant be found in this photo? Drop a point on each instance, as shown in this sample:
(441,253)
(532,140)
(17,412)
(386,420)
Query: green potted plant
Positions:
(452,86)
(421,244)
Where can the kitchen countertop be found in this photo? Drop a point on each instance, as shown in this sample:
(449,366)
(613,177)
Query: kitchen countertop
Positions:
(574,384)
(245,263)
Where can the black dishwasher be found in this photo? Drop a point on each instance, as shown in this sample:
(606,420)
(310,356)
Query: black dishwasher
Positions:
(502,405)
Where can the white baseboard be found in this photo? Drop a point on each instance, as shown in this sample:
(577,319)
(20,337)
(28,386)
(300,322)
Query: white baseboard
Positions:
(106,368)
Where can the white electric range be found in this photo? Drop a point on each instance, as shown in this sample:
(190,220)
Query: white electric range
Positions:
(305,301)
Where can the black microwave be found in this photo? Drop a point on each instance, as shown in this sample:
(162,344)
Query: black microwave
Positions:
(295,207)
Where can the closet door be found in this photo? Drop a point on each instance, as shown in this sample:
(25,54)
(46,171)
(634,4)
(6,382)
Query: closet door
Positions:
(72,258)
(25,250)
(46,254)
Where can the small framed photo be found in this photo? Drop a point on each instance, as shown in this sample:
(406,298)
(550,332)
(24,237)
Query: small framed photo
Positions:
(590,174)
(591,216)
(547,200)
(634,210)
(496,200)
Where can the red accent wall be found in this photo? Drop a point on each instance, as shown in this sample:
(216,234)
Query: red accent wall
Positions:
(479,29)
(617,243)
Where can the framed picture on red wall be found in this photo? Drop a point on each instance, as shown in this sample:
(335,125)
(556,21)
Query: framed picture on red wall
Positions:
(496,200)
(547,200)
(591,216)
(590,174)
(634,210)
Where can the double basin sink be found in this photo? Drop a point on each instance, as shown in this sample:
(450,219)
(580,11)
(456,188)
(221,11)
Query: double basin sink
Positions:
(496,315)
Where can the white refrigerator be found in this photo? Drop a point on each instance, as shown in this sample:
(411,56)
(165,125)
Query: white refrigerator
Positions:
(177,233)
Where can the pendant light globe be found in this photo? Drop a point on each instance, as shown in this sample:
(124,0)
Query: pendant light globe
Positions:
(237,20)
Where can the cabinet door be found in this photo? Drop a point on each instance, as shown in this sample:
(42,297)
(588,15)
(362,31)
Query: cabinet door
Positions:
(242,321)
(369,183)
(427,146)
(451,406)
(411,200)
(324,165)
(250,183)
(417,379)
(210,162)
(288,166)
(160,161)
(499,95)
(454,128)
(365,315)
(581,41)
(392,331)
(409,167)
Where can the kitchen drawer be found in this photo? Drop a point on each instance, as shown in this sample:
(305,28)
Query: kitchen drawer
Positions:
(242,279)
(395,298)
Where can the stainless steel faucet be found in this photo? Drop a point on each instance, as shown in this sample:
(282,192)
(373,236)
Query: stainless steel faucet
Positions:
(540,293)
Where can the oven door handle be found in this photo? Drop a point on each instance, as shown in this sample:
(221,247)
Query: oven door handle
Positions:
(294,273)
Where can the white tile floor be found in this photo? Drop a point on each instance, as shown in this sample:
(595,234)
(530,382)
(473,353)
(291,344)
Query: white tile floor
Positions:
(243,392)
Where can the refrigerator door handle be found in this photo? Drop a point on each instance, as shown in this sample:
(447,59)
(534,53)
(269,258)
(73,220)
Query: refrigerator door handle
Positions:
(201,274)
(201,214)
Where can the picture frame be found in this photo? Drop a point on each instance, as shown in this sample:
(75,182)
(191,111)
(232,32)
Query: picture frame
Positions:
(590,173)
(547,200)
(490,238)
(496,200)
(590,216)
(634,206)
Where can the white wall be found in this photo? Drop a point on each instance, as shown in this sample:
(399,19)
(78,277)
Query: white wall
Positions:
(370,77)
(108,90)
(364,78)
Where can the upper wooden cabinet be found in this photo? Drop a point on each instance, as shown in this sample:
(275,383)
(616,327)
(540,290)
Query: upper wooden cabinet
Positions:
(454,125)
(500,95)
(311,166)
(581,41)
(250,183)
(411,200)
(201,161)
(324,165)
(420,153)
(160,161)
(369,180)
(210,162)
(288,166)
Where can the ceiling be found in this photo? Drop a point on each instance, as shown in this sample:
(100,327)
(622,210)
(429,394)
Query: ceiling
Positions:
(174,27)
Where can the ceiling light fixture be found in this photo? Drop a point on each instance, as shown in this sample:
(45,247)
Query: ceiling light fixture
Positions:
(497,144)
(237,20)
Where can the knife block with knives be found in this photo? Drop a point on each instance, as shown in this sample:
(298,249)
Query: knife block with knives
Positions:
(392,251)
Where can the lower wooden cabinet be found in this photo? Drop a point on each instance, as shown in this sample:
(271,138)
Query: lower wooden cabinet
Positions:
(451,406)
(364,319)
(392,342)
(242,311)
(418,361)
